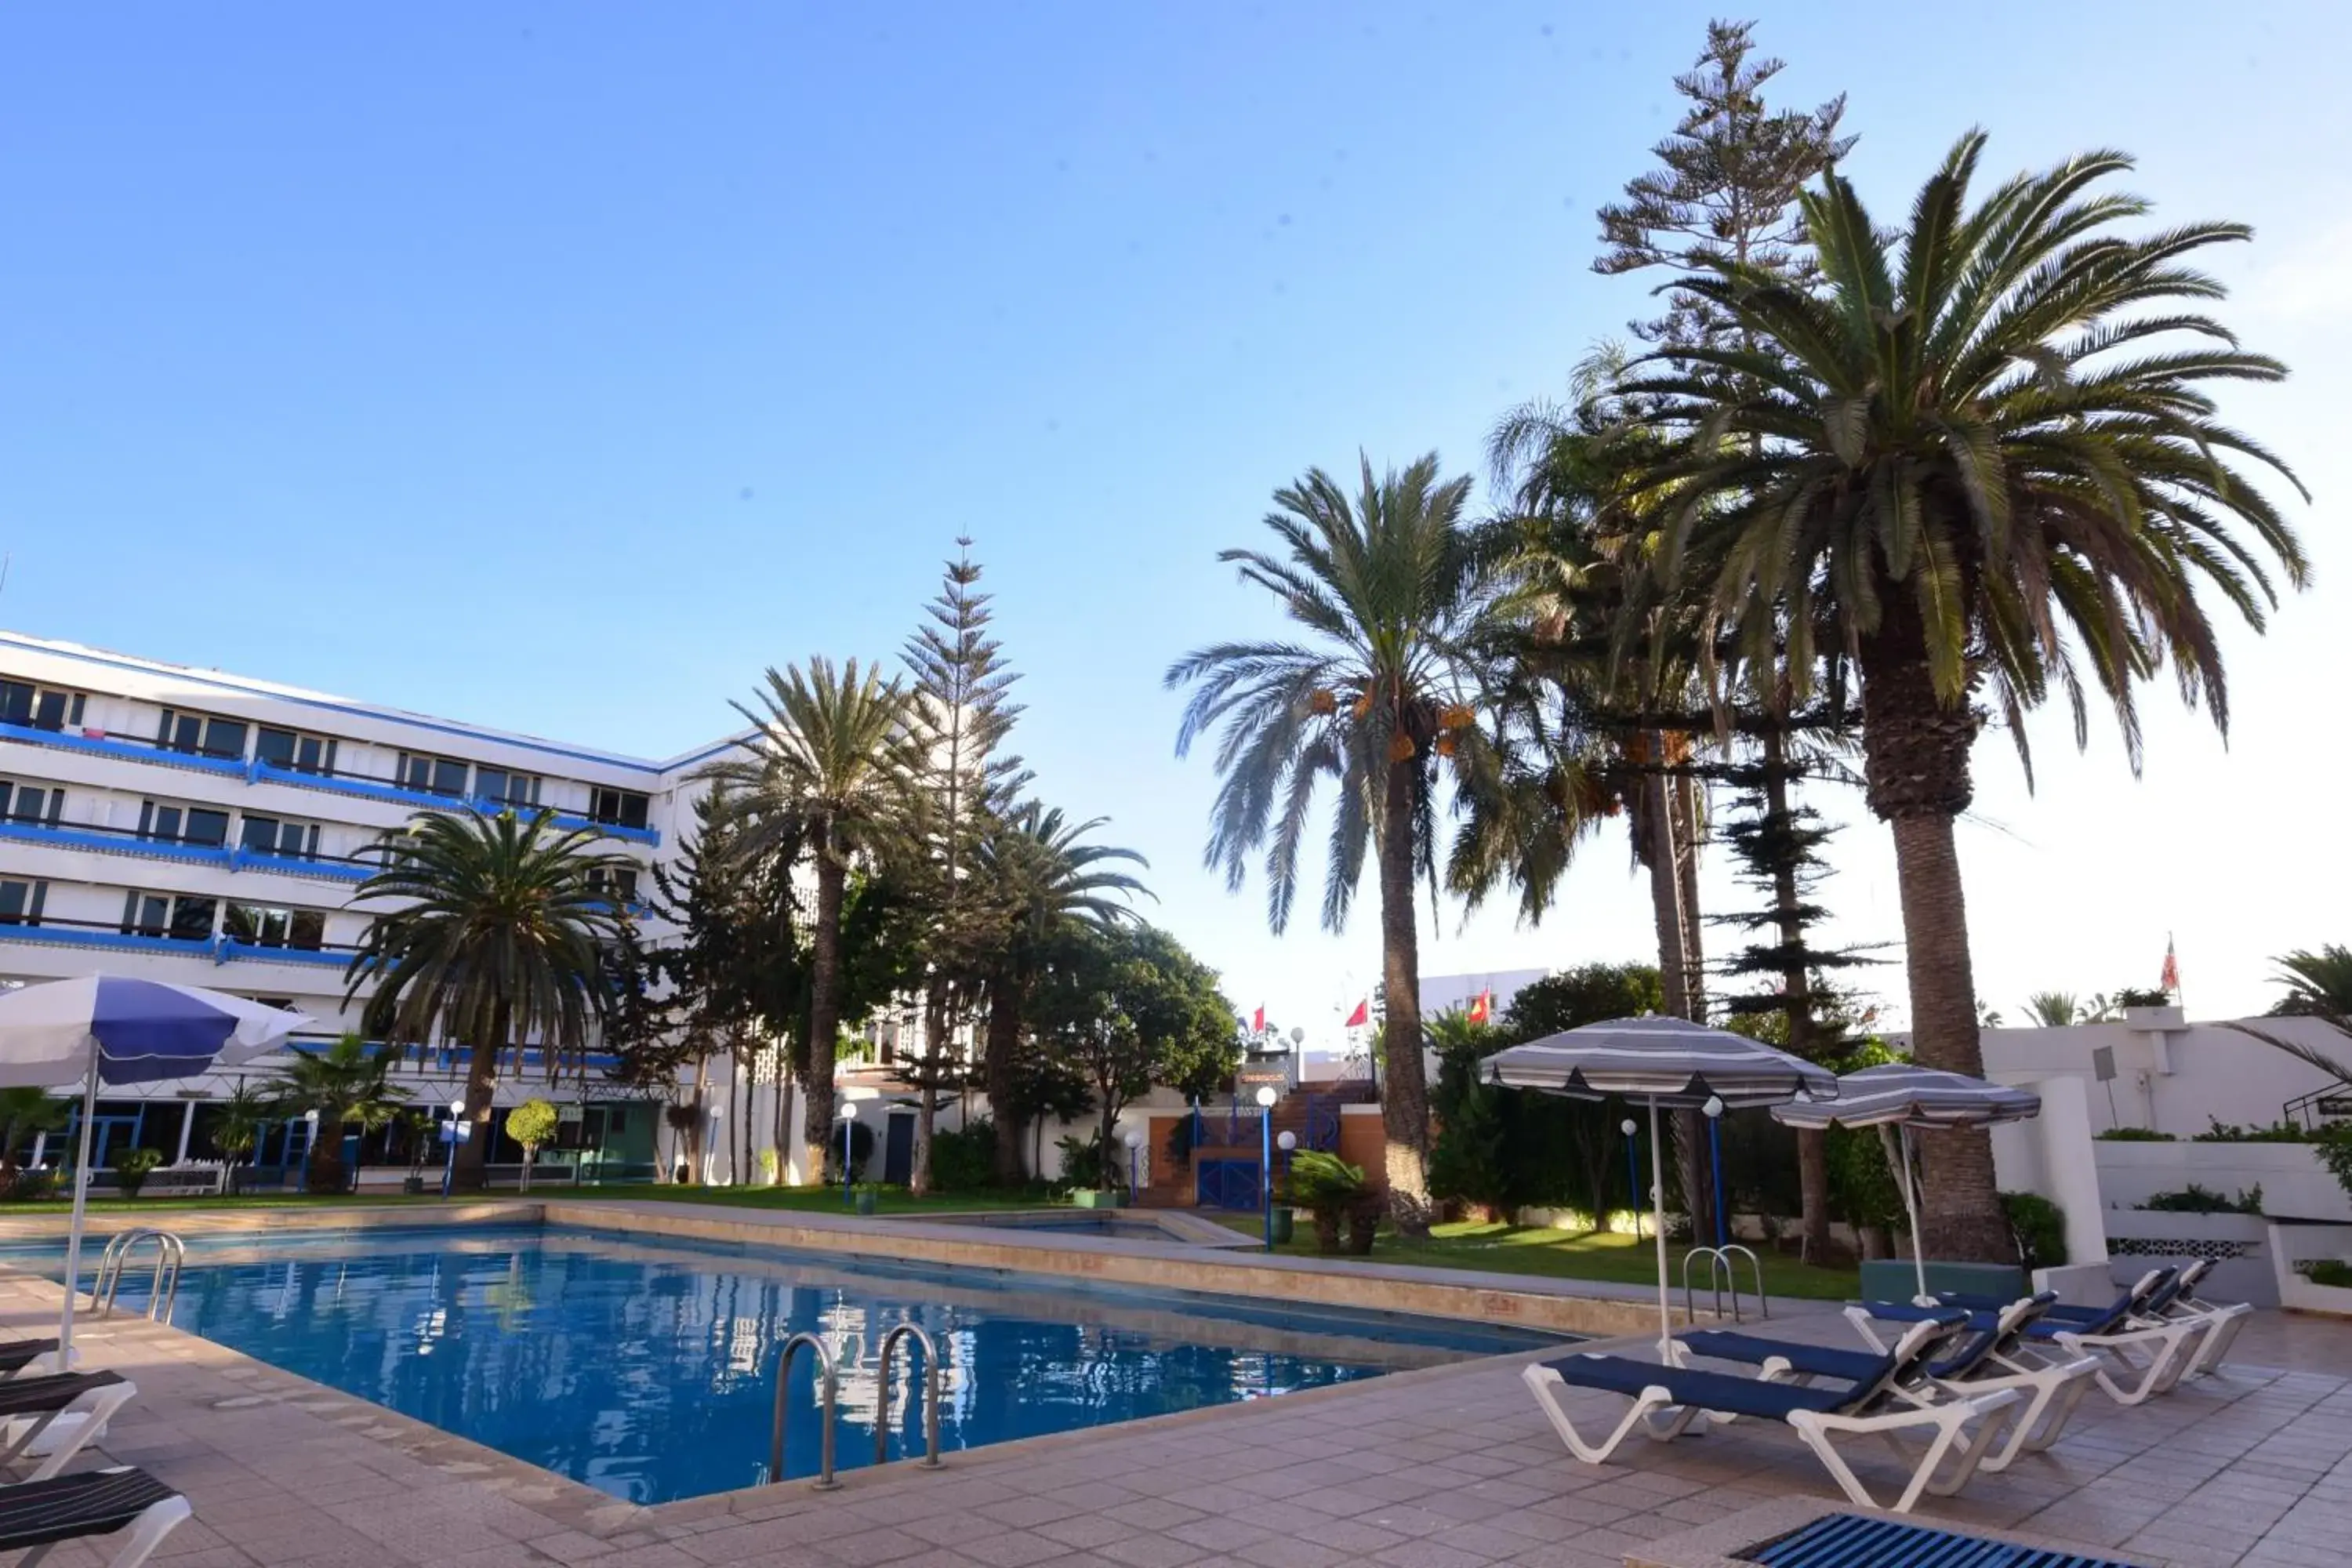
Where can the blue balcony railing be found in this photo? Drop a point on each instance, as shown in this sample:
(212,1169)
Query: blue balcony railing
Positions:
(98,743)
(223,856)
(51,932)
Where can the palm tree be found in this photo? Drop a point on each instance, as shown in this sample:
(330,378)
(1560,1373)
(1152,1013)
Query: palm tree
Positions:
(826,770)
(497,939)
(1036,870)
(1375,696)
(26,1112)
(1966,457)
(2318,985)
(237,1128)
(347,1083)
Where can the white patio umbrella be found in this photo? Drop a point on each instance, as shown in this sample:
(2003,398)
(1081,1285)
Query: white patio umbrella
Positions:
(102,1029)
(1668,1062)
(1903,1095)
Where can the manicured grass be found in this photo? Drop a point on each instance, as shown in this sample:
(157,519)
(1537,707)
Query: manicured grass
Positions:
(820,1200)
(1572,1255)
(827,1200)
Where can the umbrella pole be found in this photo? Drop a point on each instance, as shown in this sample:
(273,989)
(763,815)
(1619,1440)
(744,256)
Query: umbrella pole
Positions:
(1658,1233)
(1902,1153)
(80,1206)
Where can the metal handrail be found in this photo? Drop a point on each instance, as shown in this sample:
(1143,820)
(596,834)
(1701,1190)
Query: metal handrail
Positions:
(1720,1273)
(930,1394)
(828,1408)
(171,1255)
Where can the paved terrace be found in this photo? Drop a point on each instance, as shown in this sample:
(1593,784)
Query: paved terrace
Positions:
(1449,1467)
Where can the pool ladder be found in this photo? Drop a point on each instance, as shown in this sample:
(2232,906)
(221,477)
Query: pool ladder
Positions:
(171,1253)
(829,1403)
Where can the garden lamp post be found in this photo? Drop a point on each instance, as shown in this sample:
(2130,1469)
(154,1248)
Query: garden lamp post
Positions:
(848,1126)
(1265,1098)
(1633,1130)
(1134,1141)
(450,1134)
(309,1147)
(1287,1142)
(1713,1111)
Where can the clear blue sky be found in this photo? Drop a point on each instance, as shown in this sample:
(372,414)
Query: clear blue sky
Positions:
(558,366)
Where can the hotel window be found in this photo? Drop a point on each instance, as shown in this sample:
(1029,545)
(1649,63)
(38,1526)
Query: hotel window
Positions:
(295,752)
(268,835)
(618,883)
(167,914)
(434,775)
(31,803)
(266,927)
(182,824)
(618,807)
(201,734)
(506,787)
(20,902)
(39,706)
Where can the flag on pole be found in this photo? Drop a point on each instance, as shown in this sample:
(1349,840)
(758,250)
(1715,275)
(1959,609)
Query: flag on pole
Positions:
(1481,1010)
(2170,980)
(1257,1020)
(1361,1015)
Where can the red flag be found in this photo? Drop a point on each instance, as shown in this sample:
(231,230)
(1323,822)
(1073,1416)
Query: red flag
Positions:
(1361,1015)
(1257,1023)
(1483,1008)
(2170,980)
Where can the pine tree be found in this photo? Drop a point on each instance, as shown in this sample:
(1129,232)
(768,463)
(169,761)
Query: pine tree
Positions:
(965,781)
(1726,190)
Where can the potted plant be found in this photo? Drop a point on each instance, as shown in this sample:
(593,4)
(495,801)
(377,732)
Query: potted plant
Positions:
(237,1128)
(867,1192)
(1328,1189)
(130,1168)
(416,1129)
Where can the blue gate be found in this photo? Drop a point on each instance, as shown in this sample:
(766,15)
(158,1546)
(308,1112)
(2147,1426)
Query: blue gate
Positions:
(1226,1184)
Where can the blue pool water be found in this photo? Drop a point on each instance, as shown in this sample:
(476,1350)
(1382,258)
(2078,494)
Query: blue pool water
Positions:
(647,1371)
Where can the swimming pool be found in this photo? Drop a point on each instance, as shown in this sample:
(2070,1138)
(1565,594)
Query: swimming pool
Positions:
(646,1369)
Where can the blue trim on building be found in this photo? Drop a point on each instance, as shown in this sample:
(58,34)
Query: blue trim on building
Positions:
(234,951)
(353,709)
(125,942)
(423,800)
(128,751)
(66,837)
(244,859)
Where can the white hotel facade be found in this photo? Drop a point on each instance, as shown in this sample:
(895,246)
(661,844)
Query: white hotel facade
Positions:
(201,829)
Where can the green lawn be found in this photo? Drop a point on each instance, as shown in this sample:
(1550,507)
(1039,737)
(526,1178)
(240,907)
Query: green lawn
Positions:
(820,1200)
(1572,1255)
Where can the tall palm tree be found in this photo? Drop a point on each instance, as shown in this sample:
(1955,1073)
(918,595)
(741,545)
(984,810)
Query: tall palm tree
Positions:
(1375,696)
(826,770)
(496,939)
(1986,456)
(2318,985)
(1038,876)
(347,1083)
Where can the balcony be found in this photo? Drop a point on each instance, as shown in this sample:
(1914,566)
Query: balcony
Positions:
(131,841)
(97,742)
(50,930)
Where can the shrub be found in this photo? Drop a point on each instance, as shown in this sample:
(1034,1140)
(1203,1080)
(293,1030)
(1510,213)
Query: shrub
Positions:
(533,1124)
(31,1186)
(1328,1188)
(861,1149)
(2137,1135)
(2335,1142)
(964,1161)
(2038,1228)
(1082,1164)
(2132,996)
(2331,1271)
(2196,1199)
(130,1168)
(2279,1132)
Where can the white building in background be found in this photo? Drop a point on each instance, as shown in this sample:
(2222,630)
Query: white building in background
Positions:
(201,829)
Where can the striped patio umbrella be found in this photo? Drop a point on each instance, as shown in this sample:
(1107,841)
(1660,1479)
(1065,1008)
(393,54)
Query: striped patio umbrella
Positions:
(1669,1062)
(1901,1096)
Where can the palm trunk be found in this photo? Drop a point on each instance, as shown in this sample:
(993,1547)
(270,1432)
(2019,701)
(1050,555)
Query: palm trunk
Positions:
(471,1174)
(927,1109)
(1916,763)
(1674,981)
(1404,1096)
(1003,1046)
(1796,997)
(694,1171)
(825,1002)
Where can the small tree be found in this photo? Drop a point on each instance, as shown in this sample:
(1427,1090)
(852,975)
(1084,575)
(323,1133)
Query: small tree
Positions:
(131,1167)
(531,1125)
(346,1083)
(238,1128)
(26,1113)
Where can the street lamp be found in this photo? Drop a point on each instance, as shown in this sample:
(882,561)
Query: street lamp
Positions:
(452,1130)
(1633,1130)
(1134,1141)
(1265,1098)
(309,1147)
(1713,1111)
(1287,1142)
(848,1124)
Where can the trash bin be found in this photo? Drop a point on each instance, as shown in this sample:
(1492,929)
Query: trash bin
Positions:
(1284,1219)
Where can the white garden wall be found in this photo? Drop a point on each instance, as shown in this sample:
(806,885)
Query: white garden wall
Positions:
(2294,1185)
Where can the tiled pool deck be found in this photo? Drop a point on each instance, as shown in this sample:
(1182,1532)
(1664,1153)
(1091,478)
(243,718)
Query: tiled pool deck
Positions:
(1449,1467)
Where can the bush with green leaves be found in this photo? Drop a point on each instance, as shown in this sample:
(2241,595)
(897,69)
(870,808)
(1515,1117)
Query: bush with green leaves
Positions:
(964,1161)
(2334,1272)
(2135,996)
(2280,1131)
(1328,1188)
(2136,1135)
(533,1124)
(2195,1198)
(131,1167)
(2335,1145)
(2038,1228)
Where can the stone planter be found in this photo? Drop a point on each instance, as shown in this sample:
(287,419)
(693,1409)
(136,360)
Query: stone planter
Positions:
(1093,1200)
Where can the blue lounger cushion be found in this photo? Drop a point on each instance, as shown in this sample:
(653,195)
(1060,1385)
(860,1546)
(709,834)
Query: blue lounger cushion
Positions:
(1714,1391)
(1822,1361)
